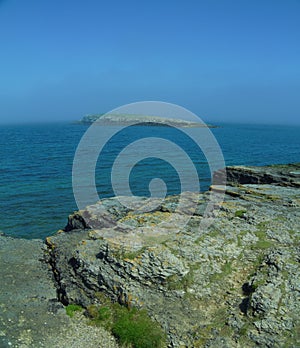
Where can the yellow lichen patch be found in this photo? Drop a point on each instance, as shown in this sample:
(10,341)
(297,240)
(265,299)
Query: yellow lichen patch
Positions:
(233,193)
(146,219)
(129,260)
(50,243)
(273,197)
(217,188)
(226,204)
(129,300)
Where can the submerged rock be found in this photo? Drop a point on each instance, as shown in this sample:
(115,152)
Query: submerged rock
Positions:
(235,283)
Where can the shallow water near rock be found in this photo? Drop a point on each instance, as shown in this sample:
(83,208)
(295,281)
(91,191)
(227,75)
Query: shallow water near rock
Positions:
(36,168)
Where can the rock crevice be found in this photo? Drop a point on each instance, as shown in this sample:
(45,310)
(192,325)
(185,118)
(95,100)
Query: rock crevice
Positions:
(236,282)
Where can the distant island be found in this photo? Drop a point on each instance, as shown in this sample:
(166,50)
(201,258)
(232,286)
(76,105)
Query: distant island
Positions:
(139,120)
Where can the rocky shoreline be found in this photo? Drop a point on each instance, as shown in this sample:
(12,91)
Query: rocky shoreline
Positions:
(234,284)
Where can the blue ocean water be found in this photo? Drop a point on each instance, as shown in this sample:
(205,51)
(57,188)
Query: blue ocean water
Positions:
(36,194)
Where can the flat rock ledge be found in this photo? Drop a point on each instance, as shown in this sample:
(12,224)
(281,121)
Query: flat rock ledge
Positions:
(234,283)
(279,174)
(31,315)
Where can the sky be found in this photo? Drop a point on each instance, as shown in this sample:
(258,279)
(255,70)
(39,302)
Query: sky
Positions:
(225,60)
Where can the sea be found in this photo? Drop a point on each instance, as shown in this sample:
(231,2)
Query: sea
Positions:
(36,160)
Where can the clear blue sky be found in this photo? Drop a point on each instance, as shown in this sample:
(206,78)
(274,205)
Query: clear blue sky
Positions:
(224,60)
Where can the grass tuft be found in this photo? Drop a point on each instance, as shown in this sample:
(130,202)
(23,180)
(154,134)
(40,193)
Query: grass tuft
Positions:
(132,327)
(135,327)
(72,308)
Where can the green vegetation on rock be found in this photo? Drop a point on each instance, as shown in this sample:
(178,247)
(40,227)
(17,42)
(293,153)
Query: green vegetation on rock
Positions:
(72,308)
(132,327)
(231,284)
(240,213)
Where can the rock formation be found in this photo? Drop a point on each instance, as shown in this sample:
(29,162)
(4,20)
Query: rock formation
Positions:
(284,175)
(30,314)
(233,284)
(140,120)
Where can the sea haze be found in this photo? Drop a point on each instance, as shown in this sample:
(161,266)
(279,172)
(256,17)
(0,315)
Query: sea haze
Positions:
(36,167)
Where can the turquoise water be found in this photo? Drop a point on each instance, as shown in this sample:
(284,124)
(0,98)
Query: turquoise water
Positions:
(36,167)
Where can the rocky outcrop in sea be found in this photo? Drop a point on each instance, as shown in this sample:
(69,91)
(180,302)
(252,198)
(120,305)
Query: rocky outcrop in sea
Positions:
(234,283)
(112,119)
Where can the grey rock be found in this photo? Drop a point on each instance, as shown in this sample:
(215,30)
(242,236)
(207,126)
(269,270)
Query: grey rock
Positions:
(30,313)
(235,283)
(145,120)
(286,175)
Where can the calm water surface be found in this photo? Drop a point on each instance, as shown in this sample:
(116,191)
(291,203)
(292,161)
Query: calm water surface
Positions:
(36,194)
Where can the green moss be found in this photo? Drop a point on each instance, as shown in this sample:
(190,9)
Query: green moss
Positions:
(131,255)
(226,269)
(92,311)
(239,241)
(257,284)
(240,237)
(104,313)
(175,282)
(263,241)
(205,334)
(187,280)
(262,226)
(200,240)
(123,253)
(240,213)
(263,244)
(209,331)
(101,316)
(72,308)
(243,331)
(214,233)
(257,266)
(134,327)
(102,298)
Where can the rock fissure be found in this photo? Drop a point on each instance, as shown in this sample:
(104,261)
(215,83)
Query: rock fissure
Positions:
(235,283)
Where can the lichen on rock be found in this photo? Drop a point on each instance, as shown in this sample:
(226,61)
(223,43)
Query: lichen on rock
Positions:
(234,284)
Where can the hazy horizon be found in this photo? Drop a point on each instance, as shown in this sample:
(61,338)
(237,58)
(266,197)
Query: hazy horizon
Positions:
(230,62)
(28,122)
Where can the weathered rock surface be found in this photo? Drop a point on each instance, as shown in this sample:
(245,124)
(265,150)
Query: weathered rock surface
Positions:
(233,284)
(285,174)
(28,298)
(30,314)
